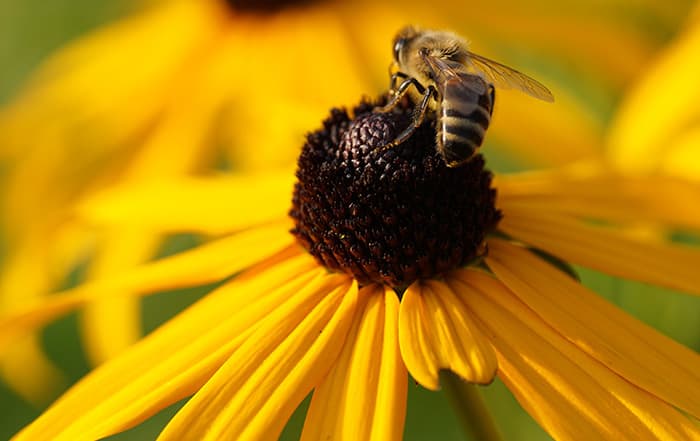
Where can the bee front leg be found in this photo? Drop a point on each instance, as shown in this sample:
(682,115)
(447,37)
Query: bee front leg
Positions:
(400,92)
(393,78)
(418,118)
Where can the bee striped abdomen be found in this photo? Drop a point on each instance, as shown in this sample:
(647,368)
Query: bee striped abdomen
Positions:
(464,116)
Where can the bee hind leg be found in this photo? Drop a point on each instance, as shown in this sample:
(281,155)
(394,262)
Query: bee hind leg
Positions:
(418,117)
(400,91)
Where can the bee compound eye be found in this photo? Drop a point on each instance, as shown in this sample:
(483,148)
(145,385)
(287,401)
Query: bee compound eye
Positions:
(398,47)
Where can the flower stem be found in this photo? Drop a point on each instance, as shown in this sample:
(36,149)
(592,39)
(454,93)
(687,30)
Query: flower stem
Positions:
(469,406)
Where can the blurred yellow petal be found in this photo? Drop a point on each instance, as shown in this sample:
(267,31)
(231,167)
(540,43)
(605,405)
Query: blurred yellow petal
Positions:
(625,345)
(27,370)
(364,395)
(278,83)
(254,393)
(186,351)
(437,331)
(660,106)
(569,393)
(588,191)
(683,157)
(208,263)
(209,205)
(545,133)
(158,39)
(24,367)
(91,105)
(586,42)
(112,322)
(606,249)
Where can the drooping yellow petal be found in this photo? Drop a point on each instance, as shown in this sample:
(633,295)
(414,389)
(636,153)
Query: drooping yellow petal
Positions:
(625,345)
(176,359)
(589,190)
(205,264)
(605,249)
(638,137)
(364,395)
(569,393)
(254,393)
(390,408)
(436,331)
(208,205)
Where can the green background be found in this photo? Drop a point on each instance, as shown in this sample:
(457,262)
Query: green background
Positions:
(31,29)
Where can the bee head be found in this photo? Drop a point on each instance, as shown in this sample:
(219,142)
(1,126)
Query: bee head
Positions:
(412,44)
(402,40)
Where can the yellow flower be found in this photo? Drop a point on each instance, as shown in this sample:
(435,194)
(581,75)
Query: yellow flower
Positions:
(430,270)
(656,126)
(141,99)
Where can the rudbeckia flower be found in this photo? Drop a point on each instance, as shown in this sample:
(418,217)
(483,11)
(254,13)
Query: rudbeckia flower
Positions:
(165,92)
(395,264)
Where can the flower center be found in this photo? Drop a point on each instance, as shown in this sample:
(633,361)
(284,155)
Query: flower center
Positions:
(388,215)
(266,6)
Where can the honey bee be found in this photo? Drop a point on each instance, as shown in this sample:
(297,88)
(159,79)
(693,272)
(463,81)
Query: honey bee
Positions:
(455,85)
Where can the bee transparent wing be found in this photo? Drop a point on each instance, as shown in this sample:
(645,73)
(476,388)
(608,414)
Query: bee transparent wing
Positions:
(507,78)
(442,69)
(445,71)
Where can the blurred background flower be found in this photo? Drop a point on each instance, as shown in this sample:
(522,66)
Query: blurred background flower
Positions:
(657,125)
(97,96)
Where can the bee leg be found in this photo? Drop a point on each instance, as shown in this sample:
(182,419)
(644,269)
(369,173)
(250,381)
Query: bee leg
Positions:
(400,92)
(418,117)
(393,78)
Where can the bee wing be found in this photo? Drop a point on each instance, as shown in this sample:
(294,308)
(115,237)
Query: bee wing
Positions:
(443,70)
(507,78)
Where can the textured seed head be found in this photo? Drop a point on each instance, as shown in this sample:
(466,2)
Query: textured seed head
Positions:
(393,215)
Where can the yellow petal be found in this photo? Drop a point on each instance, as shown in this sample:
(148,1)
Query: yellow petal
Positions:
(112,322)
(27,370)
(436,331)
(265,124)
(90,116)
(364,395)
(683,158)
(625,345)
(159,40)
(23,365)
(589,190)
(176,359)
(606,249)
(639,137)
(208,263)
(576,34)
(569,393)
(536,130)
(208,205)
(254,393)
